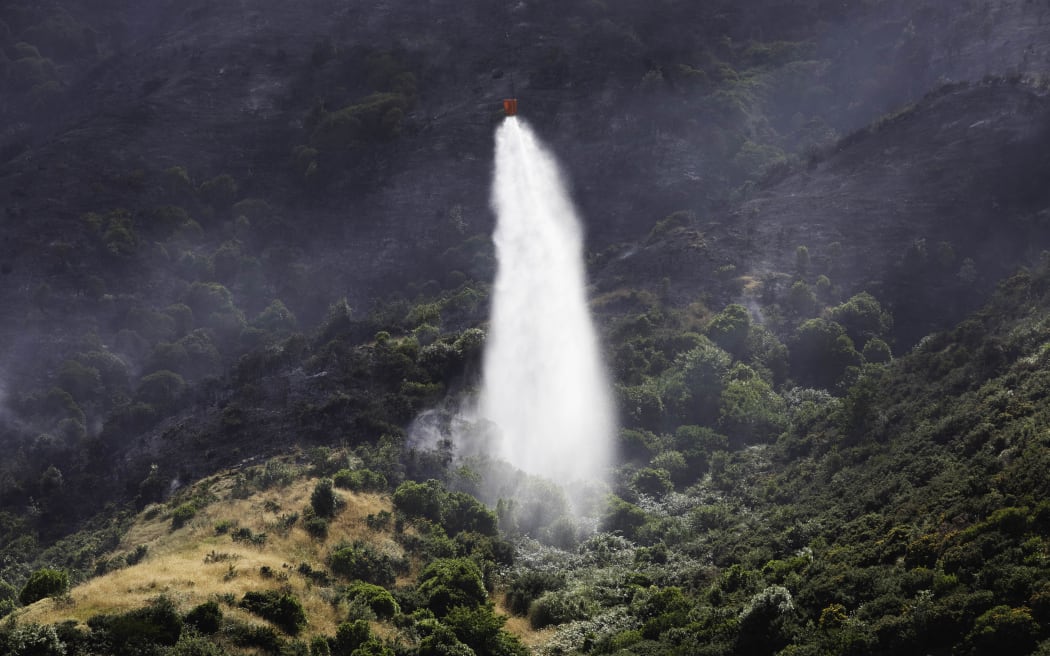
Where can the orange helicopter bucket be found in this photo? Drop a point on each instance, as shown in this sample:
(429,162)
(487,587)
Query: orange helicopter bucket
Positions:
(510,106)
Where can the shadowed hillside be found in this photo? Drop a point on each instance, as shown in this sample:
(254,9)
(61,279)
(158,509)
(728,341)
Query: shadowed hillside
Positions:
(237,231)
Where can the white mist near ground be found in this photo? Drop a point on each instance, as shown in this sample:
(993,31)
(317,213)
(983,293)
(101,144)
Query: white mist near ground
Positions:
(544,384)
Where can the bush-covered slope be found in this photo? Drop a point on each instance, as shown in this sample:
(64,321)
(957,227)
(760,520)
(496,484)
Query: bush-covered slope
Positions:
(274,558)
(908,517)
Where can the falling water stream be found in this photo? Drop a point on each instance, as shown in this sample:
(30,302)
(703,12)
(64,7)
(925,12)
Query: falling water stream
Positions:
(544,384)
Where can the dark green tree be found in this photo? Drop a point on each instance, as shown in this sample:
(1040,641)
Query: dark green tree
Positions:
(450,582)
(820,353)
(282,609)
(729,328)
(43,583)
(863,318)
(323,499)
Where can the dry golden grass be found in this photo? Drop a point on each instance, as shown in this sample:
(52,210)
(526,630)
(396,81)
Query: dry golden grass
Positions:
(194,564)
(529,636)
(521,627)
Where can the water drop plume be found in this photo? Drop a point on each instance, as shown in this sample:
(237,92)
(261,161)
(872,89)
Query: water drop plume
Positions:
(544,384)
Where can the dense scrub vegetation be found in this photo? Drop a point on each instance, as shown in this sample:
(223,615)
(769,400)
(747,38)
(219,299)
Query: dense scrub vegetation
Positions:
(904,517)
(907,514)
(402,583)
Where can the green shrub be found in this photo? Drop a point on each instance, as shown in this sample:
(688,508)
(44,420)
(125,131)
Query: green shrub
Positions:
(765,619)
(557,607)
(82,382)
(623,516)
(377,598)
(802,260)
(207,298)
(113,371)
(220,192)
(419,499)
(275,473)
(863,318)
(119,238)
(729,328)
(128,633)
(284,610)
(43,583)
(1004,630)
(60,403)
(362,561)
(801,299)
(360,480)
(449,582)
(480,629)
(319,646)
(316,527)
(349,636)
(690,388)
(323,499)
(248,635)
(206,617)
(651,481)
(247,536)
(33,640)
(176,182)
(276,319)
(462,512)
(164,220)
(224,526)
(528,586)
(379,521)
(161,389)
(182,514)
(876,351)
(820,353)
(190,644)
(8,596)
(749,410)
(135,557)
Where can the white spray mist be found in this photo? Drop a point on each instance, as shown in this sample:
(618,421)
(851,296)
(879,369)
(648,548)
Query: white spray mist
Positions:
(544,384)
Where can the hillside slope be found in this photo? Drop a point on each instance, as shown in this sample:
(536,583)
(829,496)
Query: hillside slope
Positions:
(926,209)
(232,231)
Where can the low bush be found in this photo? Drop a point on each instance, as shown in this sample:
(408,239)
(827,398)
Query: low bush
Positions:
(138,630)
(377,598)
(317,527)
(323,500)
(450,582)
(247,536)
(43,583)
(284,610)
(206,617)
(183,514)
(360,480)
(33,640)
(556,607)
(363,562)
(529,586)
